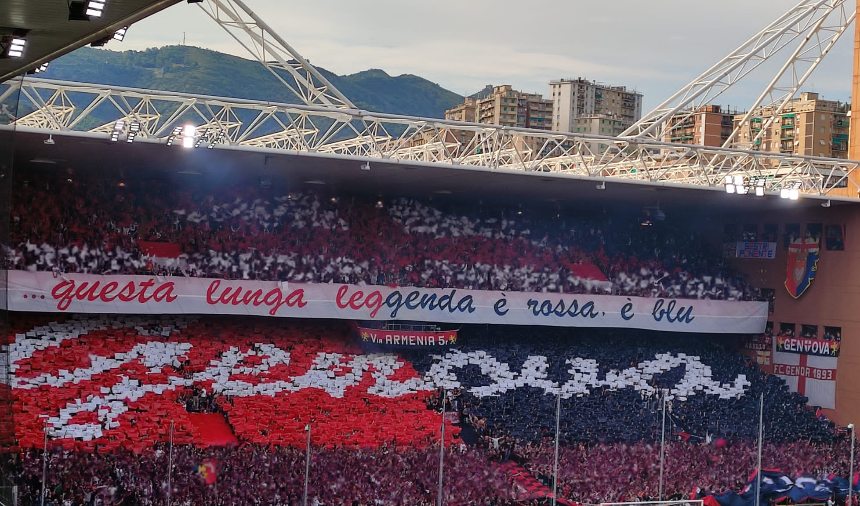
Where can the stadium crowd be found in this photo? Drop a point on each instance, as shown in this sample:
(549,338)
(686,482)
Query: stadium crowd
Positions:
(111,384)
(249,232)
(252,475)
(594,473)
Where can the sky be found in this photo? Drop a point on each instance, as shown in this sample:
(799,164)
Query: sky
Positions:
(656,46)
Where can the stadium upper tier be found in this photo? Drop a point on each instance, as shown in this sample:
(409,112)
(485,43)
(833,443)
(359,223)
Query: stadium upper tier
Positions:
(249,232)
(112,386)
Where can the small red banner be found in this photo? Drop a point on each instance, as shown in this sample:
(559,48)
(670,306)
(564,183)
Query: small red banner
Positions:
(763,342)
(408,338)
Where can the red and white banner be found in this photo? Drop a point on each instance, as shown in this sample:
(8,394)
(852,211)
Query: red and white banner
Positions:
(407,338)
(811,376)
(83,293)
(762,342)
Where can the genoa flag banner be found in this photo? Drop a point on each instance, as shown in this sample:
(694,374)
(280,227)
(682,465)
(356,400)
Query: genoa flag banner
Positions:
(811,376)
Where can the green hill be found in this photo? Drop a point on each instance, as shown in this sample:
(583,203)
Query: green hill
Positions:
(201,71)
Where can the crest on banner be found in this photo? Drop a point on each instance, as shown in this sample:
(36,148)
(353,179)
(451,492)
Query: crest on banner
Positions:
(803,256)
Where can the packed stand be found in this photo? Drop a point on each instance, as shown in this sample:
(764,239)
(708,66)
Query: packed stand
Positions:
(265,374)
(612,383)
(112,385)
(594,473)
(250,232)
(253,475)
(250,475)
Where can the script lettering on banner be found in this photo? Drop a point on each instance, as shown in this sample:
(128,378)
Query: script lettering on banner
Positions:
(766,250)
(140,368)
(801,345)
(407,338)
(84,293)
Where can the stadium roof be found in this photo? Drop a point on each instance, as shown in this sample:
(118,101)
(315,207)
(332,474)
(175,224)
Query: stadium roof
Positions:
(50,34)
(81,153)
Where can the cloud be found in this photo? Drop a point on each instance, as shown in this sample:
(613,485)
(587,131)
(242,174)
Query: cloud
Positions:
(655,47)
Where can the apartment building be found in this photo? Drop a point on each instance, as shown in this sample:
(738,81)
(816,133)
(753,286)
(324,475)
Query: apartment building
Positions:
(598,124)
(462,112)
(512,108)
(574,98)
(711,126)
(506,107)
(807,126)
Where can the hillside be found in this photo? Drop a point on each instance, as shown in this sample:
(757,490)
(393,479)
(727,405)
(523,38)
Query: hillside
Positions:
(202,71)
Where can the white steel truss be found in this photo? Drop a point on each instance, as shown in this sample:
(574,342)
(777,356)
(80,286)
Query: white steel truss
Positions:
(51,106)
(296,73)
(797,69)
(816,24)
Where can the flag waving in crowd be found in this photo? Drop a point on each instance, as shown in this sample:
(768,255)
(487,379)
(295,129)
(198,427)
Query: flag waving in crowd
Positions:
(208,471)
(777,487)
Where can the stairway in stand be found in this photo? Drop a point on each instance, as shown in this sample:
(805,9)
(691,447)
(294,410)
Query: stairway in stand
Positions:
(214,429)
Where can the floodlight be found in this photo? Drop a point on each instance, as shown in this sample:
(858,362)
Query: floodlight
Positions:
(135,127)
(119,35)
(84,10)
(760,182)
(177,130)
(793,194)
(188,142)
(189,131)
(739,180)
(95,8)
(13,46)
(730,188)
(117,130)
(41,68)
(759,191)
(784,193)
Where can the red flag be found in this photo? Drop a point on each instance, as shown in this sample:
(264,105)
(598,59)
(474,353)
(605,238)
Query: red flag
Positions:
(208,471)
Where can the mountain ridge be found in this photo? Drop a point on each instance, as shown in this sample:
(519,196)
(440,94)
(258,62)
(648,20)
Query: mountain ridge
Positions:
(189,69)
